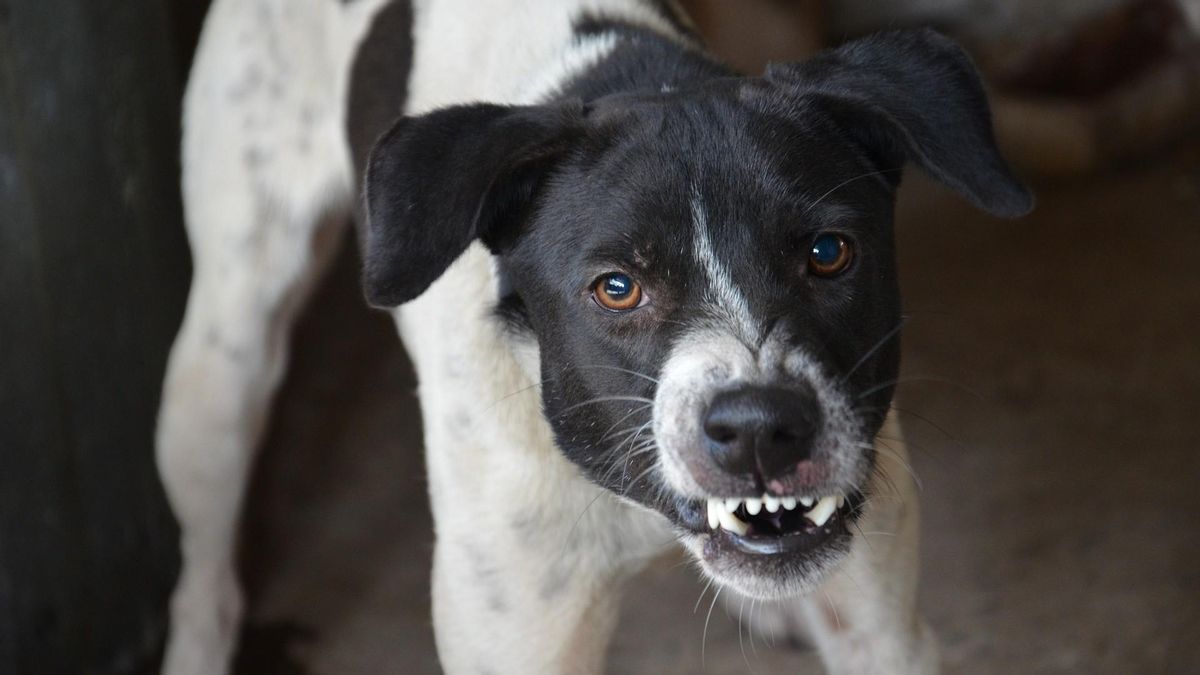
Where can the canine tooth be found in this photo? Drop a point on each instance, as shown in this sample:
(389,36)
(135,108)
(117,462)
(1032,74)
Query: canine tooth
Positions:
(789,503)
(841,501)
(807,501)
(714,518)
(771,503)
(732,504)
(753,506)
(821,512)
(733,523)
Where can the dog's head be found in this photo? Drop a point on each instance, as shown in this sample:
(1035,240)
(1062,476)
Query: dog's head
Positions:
(708,273)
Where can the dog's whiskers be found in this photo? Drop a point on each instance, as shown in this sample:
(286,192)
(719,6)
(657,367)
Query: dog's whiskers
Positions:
(614,465)
(889,451)
(606,399)
(931,423)
(865,539)
(879,498)
(634,411)
(567,539)
(919,378)
(846,182)
(703,591)
(833,608)
(629,436)
(914,445)
(704,635)
(750,625)
(741,643)
(624,433)
(635,480)
(878,345)
(515,393)
(881,471)
(618,368)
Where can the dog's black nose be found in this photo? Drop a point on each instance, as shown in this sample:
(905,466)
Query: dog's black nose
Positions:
(763,430)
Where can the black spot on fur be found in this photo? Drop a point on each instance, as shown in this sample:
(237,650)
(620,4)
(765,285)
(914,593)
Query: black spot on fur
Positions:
(488,577)
(248,84)
(379,78)
(255,157)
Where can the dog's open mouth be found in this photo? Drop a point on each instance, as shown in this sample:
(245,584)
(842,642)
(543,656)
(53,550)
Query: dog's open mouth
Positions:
(772,525)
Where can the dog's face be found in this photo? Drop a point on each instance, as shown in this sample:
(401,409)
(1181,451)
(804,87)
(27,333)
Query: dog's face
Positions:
(706,300)
(709,277)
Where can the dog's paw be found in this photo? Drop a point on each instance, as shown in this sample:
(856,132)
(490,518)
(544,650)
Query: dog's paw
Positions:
(206,616)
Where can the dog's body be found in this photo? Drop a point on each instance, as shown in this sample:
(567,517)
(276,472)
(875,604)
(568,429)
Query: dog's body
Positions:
(534,532)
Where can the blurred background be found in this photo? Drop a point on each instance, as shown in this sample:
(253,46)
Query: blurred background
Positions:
(1051,364)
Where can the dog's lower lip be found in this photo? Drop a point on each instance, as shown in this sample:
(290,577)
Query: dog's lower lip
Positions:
(792,542)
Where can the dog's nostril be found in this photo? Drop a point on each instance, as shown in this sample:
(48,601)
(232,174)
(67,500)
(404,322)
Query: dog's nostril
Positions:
(720,433)
(783,436)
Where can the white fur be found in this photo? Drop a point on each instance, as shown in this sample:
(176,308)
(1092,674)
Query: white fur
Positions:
(492,50)
(725,296)
(529,554)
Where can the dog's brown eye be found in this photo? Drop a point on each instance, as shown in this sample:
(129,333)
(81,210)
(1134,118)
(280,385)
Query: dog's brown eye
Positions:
(829,255)
(617,292)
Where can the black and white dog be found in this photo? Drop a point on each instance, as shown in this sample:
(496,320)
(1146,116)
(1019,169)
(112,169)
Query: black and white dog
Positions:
(648,300)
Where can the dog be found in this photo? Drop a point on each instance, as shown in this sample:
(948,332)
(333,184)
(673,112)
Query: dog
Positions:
(650,301)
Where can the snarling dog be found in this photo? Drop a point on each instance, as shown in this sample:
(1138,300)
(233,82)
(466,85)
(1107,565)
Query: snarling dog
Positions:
(649,301)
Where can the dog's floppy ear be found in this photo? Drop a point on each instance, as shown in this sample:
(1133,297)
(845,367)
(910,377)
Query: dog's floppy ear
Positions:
(913,95)
(437,182)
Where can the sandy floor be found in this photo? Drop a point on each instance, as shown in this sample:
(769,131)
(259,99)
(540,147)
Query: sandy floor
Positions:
(1055,365)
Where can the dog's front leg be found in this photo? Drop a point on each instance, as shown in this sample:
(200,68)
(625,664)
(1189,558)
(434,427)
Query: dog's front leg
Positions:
(863,619)
(266,192)
(529,561)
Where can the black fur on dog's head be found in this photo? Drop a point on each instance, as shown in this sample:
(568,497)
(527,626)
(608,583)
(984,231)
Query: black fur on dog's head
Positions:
(709,196)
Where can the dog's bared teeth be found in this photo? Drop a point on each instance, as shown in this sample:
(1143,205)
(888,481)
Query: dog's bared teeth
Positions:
(820,513)
(732,523)
(720,514)
(721,511)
